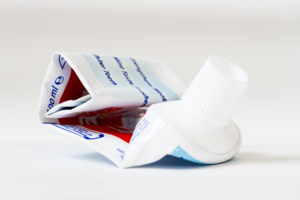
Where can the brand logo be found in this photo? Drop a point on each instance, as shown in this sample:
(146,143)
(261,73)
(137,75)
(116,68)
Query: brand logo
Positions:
(61,61)
(84,133)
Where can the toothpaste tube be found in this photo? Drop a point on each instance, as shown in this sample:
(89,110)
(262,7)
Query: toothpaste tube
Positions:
(99,99)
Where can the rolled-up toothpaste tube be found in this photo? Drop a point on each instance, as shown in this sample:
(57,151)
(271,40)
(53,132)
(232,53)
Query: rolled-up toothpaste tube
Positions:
(100,98)
(103,99)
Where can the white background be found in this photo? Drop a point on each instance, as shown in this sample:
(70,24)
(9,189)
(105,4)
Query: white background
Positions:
(262,36)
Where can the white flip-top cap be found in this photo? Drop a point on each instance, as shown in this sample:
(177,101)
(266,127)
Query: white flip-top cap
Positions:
(216,90)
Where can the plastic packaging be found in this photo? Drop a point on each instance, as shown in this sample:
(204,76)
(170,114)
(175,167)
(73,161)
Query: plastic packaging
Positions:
(199,127)
(100,98)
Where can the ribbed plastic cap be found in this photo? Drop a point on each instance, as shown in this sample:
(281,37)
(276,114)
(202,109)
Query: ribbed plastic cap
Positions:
(216,90)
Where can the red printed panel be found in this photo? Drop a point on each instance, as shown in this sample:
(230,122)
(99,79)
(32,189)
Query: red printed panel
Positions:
(109,121)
